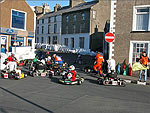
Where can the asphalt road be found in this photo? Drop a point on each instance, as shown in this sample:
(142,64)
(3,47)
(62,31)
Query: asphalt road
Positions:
(45,95)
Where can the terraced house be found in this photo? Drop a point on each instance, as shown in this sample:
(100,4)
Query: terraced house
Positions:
(83,24)
(16,24)
(131,26)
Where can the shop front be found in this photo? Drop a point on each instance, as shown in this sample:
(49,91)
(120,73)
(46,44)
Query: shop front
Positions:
(15,38)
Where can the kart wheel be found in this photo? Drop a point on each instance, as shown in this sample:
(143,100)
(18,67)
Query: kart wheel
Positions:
(34,74)
(79,82)
(123,83)
(100,81)
(25,75)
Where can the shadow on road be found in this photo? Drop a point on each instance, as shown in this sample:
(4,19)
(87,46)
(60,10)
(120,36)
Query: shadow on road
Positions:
(26,100)
(91,81)
(54,79)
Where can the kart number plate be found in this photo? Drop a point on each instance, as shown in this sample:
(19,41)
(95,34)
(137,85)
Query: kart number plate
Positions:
(43,74)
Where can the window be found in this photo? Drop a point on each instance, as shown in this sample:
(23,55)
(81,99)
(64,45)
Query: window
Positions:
(55,28)
(81,42)
(66,41)
(66,29)
(37,40)
(42,29)
(54,39)
(136,49)
(74,28)
(67,18)
(19,40)
(74,18)
(42,21)
(55,19)
(37,30)
(72,42)
(49,19)
(18,20)
(82,27)
(141,19)
(83,16)
(94,14)
(49,29)
(49,40)
(37,21)
(29,42)
(42,40)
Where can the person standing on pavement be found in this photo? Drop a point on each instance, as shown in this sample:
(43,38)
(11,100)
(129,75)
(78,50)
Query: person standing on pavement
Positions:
(98,63)
(143,60)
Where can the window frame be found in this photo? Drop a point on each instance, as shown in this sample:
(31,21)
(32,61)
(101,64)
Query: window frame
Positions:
(67,19)
(131,49)
(66,42)
(42,40)
(83,17)
(80,42)
(74,18)
(55,39)
(135,15)
(25,20)
(42,30)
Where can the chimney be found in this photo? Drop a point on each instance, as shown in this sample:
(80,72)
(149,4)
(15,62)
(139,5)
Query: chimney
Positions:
(75,2)
(46,8)
(57,7)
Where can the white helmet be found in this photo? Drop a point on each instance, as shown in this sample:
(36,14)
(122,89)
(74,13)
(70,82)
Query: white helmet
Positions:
(49,58)
(72,67)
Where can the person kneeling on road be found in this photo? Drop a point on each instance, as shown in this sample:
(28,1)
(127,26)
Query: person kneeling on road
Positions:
(98,63)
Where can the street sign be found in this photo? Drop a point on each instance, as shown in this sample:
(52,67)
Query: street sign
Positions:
(109,37)
(15,44)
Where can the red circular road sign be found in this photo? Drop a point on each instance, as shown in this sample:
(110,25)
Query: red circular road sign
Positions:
(109,37)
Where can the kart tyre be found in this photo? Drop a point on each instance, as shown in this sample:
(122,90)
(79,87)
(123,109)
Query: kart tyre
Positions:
(100,81)
(25,75)
(34,74)
(79,82)
(123,83)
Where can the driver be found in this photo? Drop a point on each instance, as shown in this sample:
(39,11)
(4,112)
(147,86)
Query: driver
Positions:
(72,73)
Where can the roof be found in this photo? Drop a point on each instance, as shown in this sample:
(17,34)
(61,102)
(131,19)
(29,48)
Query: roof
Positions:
(68,9)
(82,6)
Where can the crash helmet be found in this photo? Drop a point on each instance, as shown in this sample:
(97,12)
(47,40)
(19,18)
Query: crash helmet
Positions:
(72,67)
(49,57)
(54,55)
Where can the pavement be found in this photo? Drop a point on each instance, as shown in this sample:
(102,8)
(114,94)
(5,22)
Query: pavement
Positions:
(131,79)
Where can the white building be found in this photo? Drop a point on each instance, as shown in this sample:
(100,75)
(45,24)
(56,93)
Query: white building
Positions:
(48,30)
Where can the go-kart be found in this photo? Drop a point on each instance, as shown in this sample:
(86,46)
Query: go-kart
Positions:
(64,80)
(111,79)
(13,75)
(38,69)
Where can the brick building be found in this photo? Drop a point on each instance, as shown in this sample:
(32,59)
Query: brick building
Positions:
(17,24)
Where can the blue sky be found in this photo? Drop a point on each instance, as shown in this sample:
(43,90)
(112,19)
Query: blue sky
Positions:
(51,3)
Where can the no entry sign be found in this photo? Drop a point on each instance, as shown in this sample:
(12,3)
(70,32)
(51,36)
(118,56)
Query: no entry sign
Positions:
(109,37)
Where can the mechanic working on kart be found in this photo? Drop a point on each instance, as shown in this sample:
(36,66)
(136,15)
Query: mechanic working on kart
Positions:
(98,63)
(72,73)
(143,60)
(57,59)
